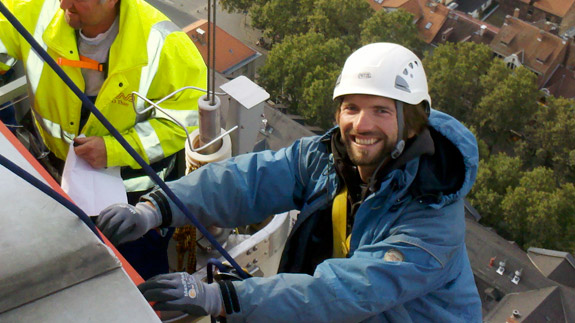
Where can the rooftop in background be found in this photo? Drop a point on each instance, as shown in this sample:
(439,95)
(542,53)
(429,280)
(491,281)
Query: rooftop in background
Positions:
(461,27)
(556,7)
(428,15)
(556,265)
(562,82)
(533,306)
(378,4)
(537,49)
(468,6)
(434,16)
(411,6)
(534,296)
(232,56)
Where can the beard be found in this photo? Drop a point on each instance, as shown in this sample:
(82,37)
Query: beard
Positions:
(366,157)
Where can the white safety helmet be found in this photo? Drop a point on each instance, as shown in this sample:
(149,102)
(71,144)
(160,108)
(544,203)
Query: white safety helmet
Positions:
(388,70)
(384,69)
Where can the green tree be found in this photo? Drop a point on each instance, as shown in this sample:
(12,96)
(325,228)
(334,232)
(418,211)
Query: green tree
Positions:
(317,106)
(394,27)
(508,104)
(495,176)
(549,138)
(280,18)
(453,74)
(481,145)
(539,213)
(285,72)
(340,19)
(240,5)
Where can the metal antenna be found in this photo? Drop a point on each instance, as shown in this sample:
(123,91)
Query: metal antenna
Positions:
(211,50)
(209,105)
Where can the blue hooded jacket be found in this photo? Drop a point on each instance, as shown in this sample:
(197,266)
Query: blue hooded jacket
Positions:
(433,281)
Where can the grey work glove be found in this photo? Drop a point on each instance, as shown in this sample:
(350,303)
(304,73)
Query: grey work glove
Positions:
(123,222)
(182,292)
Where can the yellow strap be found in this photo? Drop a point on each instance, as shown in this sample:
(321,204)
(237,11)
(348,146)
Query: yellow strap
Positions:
(339,224)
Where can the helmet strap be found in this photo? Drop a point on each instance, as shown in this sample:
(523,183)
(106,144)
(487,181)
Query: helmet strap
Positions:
(400,145)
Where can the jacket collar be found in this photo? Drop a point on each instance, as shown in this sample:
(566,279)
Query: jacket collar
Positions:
(129,49)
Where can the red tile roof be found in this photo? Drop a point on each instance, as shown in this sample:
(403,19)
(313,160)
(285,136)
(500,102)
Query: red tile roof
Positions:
(231,53)
(556,7)
(428,15)
(434,16)
(539,50)
(411,6)
(461,27)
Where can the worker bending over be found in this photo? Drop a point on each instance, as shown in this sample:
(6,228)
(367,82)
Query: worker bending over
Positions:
(109,48)
(381,232)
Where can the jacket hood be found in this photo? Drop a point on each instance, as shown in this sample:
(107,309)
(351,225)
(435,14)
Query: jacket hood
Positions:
(455,162)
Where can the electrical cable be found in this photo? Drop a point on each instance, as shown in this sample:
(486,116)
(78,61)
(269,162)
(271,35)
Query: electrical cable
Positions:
(50,192)
(86,101)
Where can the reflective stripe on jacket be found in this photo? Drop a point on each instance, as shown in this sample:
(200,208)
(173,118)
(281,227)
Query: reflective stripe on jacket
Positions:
(434,282)
(150,55)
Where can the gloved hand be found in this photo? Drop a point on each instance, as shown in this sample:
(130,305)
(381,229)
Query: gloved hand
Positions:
(182,292)
(123,222)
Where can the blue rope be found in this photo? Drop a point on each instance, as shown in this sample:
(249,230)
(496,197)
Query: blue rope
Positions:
(50,192)
(149,171)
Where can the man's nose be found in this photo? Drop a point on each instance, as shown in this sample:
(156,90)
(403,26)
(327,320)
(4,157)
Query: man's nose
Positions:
(363,121)
(65,4)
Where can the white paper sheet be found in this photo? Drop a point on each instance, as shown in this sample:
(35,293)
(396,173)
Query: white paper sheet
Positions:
(92,189)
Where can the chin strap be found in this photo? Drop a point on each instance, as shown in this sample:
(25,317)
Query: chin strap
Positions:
(400,125)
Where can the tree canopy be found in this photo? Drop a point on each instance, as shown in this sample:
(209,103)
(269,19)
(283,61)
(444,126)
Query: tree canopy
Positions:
(540,213)
(394,27)
(508,104)
(278,18)
(453,75)
(549,138)
(300,72)
(340,19)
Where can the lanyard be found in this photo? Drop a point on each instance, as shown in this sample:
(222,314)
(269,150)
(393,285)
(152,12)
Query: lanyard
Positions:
(84,62)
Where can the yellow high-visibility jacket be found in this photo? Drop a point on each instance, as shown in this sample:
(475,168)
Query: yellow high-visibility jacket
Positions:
(150,55)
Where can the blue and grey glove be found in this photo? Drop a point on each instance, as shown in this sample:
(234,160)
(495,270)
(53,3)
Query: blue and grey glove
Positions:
(182,292)
(123,222)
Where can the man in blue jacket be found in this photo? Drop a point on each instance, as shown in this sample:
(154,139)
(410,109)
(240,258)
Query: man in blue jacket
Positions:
(380,235)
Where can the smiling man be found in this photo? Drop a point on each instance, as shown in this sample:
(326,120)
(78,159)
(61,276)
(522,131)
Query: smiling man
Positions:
(381,232)
(110,49)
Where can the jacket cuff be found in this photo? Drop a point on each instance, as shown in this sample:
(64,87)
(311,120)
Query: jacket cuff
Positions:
(161,203)
(116,155)
(112,152)
(229,297)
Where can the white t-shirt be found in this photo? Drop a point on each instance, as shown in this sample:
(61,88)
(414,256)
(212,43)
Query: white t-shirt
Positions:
(96,48)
